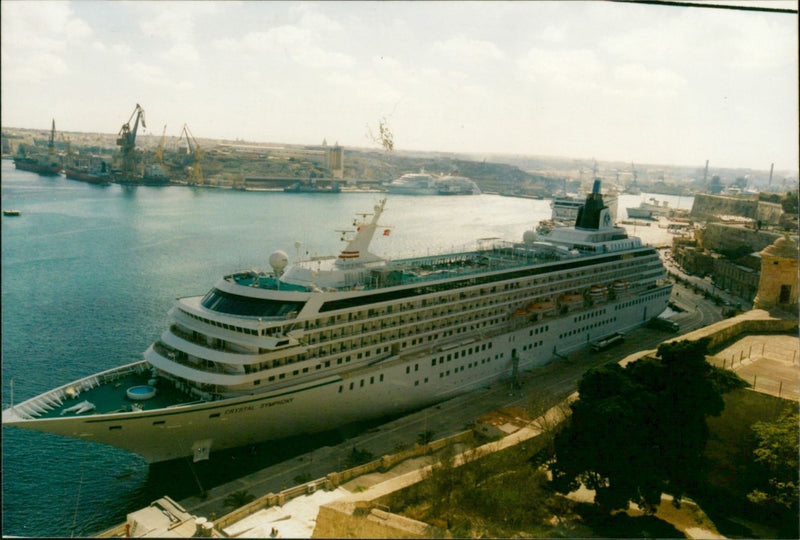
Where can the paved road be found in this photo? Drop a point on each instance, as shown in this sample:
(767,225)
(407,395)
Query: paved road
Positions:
(703,284)
(541,388)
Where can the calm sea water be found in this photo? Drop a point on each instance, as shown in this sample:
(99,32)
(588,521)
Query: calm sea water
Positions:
(89,272)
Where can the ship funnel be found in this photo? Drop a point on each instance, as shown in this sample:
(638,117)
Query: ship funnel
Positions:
(593,214)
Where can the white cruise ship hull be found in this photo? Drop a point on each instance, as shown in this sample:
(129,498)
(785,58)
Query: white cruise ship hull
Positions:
(392,385)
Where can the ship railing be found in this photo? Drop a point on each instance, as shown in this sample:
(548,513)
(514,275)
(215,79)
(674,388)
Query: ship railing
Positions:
(37,406)
(182,358)
(201,342)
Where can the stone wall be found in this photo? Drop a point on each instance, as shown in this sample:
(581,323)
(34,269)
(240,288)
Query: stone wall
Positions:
(768,212)
(708,206)
(720,237)
(757,321)
(345,519)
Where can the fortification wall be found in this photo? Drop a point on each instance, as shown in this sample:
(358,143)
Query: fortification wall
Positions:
(357,520)
(706,206)
(720,237)
(757,321)
(768,212)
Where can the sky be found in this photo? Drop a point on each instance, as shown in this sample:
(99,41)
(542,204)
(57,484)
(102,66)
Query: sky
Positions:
(611,81)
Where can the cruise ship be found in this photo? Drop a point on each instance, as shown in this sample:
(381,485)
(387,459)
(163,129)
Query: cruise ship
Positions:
(565,209)
(318,343)
(422,183)
(649,210)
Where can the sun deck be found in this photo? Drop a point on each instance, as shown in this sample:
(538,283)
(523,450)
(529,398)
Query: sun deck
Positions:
(422,269)
(104,393)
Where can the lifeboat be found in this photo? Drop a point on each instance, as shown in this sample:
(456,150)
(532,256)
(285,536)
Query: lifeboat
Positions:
(619,286)
(571,301)
(540,307)
(597,292)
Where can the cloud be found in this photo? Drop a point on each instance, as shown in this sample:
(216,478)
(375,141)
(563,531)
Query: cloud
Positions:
(749,41)
(182,53)
(36,39)
(553,34)
(121,49)
(174,21)
(568,69)
(314,22)
(463,49)
(287,43)
(38,65)
(640,81)
(155,76)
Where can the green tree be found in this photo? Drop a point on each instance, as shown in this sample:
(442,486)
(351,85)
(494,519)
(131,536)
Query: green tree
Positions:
(358,456)
(640,431)
(237,499)
(789,202)
(777,454)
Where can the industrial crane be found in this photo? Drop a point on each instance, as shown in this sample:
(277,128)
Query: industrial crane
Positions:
(126,140)
(160,150)
(194,150)
(51,144)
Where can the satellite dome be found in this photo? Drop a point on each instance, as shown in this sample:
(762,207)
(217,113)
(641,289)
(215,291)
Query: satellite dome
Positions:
(278,261)
(529,237)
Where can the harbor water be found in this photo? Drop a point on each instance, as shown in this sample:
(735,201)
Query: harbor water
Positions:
(89,273)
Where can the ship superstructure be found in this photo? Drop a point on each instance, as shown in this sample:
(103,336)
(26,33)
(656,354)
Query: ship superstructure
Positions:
(324,342)
(422,183)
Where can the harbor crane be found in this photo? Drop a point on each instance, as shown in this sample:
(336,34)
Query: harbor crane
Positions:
(126,140)
(194,150)
(51,144)
(160,150)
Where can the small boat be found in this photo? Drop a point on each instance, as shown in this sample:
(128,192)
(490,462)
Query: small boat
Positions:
(12,213)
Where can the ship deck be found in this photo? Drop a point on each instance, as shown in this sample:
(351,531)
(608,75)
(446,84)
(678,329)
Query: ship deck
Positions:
(107,393)
(502,256)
